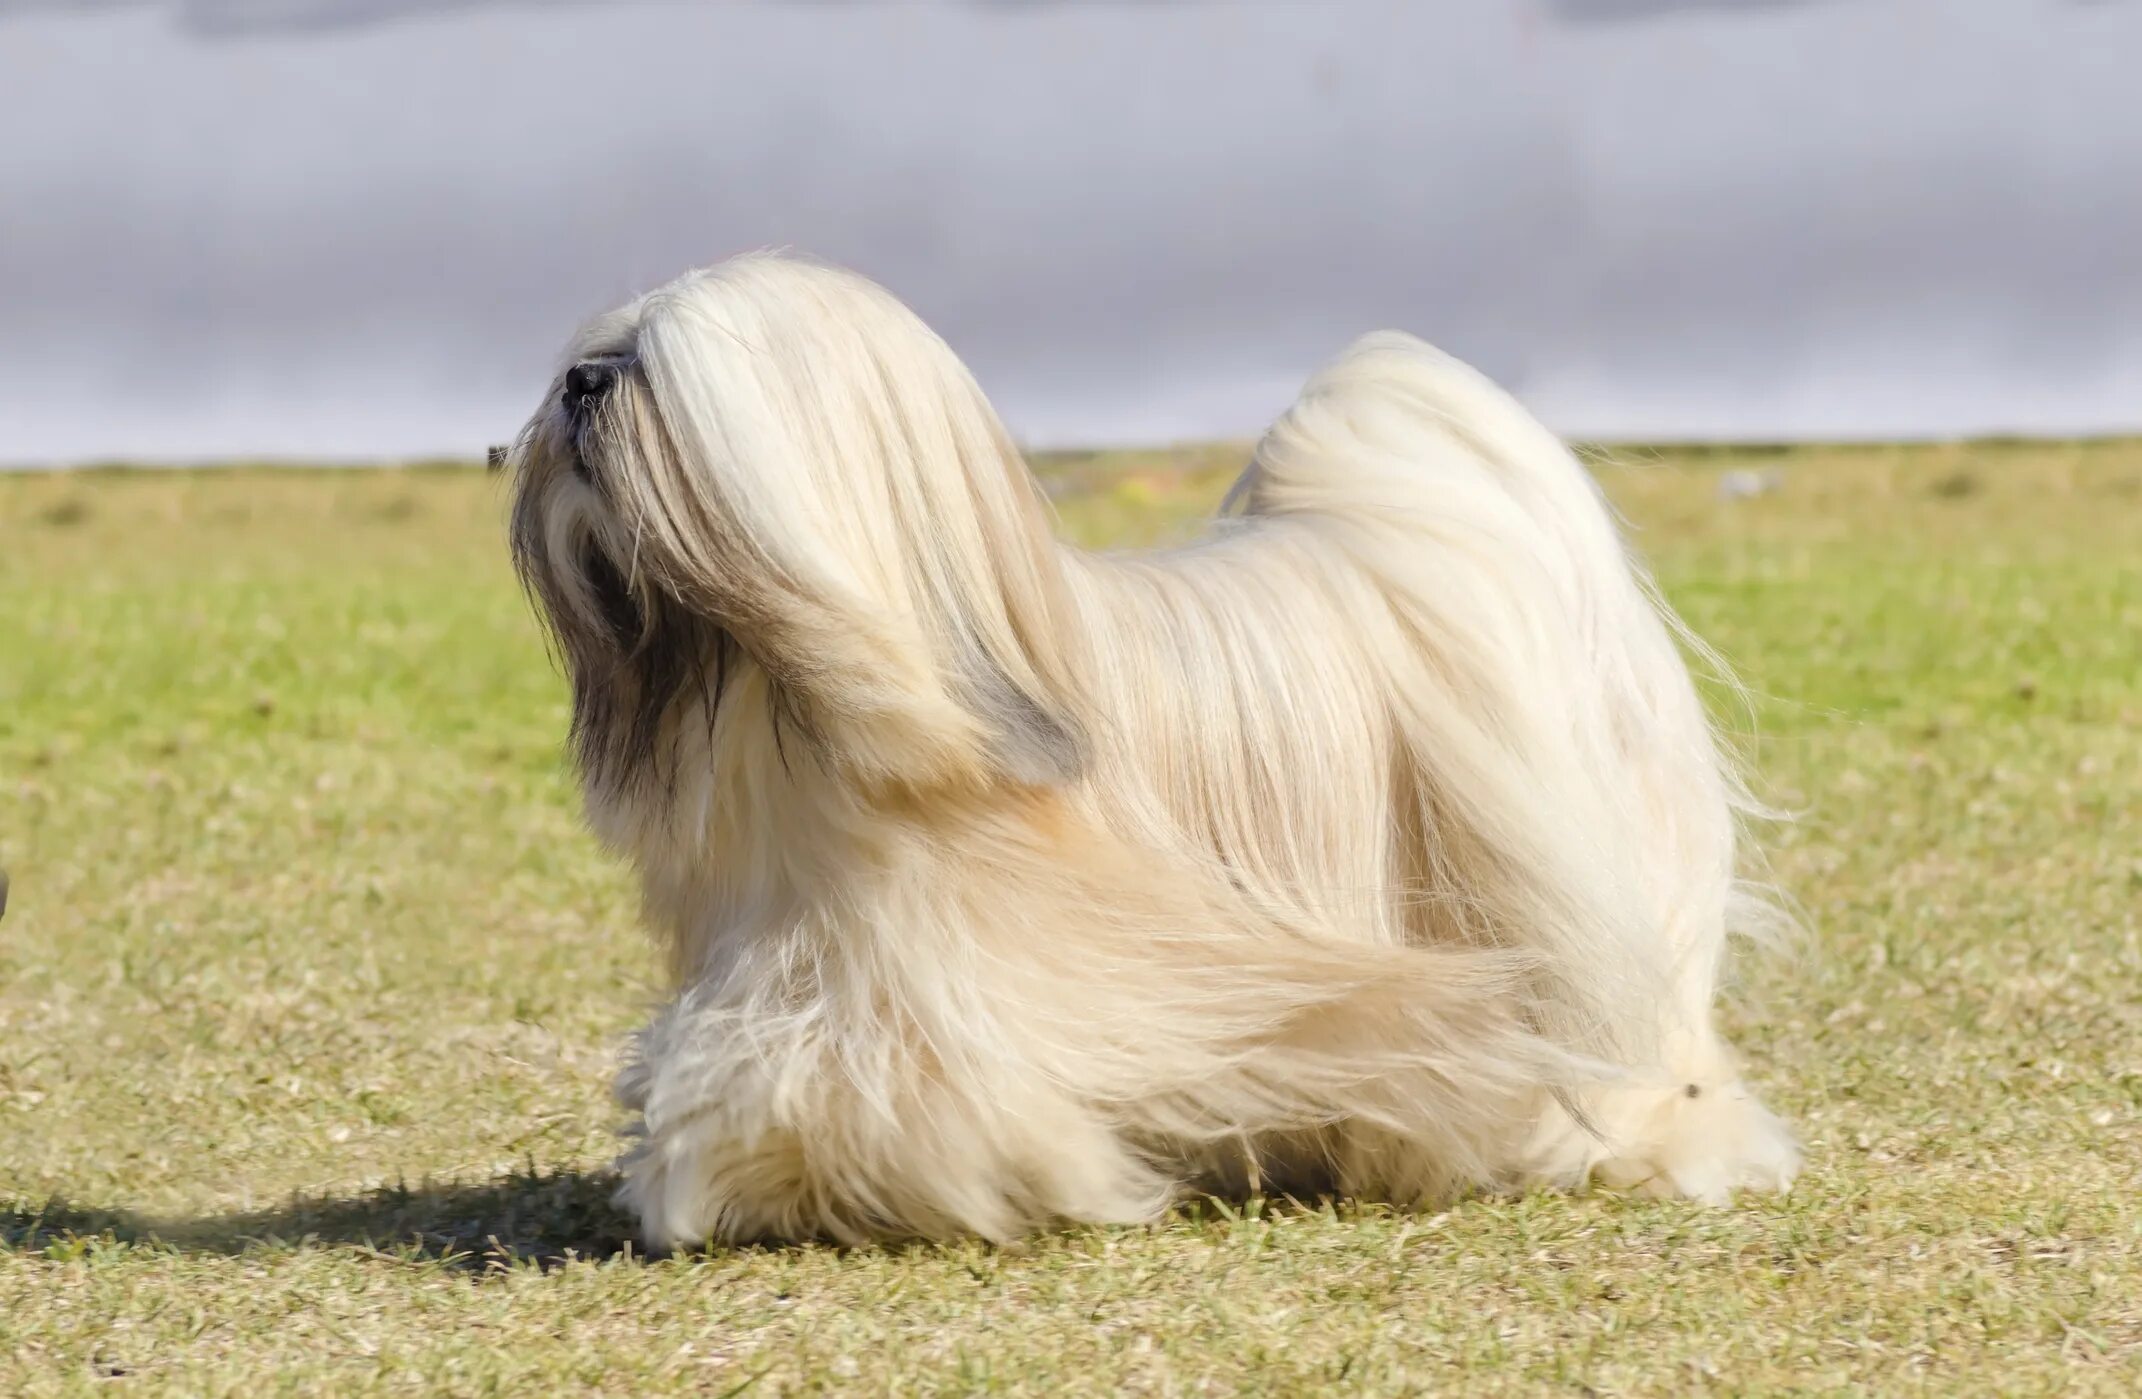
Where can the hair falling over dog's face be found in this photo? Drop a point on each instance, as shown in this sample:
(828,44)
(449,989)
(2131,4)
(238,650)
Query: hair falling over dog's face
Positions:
(630,648)
(779,471)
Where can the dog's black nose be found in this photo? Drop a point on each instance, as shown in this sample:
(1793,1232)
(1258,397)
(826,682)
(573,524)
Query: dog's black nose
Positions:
(586,382)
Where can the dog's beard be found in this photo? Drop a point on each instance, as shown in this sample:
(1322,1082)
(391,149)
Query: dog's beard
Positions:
(636,658)
(618,610)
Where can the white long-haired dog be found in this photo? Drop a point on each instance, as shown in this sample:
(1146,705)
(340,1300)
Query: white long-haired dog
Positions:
(1376,843)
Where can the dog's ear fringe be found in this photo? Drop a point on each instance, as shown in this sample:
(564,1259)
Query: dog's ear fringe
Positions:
(927,678)
(1032,744)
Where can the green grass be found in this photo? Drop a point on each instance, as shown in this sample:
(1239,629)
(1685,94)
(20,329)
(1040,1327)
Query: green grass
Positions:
(311,983)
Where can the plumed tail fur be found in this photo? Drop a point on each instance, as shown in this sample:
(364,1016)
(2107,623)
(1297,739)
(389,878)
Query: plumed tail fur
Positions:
(1566,778)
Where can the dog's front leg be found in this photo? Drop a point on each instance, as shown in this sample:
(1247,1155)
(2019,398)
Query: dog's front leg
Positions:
(822,1124)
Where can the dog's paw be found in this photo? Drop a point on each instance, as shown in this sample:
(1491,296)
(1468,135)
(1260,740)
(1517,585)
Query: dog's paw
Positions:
(1704,1143)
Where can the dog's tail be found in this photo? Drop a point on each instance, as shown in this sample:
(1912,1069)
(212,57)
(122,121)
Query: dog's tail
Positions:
(1574,804)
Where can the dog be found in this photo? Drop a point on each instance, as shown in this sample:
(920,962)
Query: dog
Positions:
(1375,843)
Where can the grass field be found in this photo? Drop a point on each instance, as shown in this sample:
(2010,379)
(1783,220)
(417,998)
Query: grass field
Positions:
(310,987)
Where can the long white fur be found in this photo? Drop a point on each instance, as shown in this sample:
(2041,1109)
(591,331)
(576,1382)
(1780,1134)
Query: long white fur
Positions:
(1377,842)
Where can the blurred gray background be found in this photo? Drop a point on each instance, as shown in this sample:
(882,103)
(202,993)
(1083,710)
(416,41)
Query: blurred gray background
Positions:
(360,229)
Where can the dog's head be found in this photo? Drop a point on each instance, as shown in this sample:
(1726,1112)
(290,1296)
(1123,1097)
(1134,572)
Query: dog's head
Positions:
(775,464)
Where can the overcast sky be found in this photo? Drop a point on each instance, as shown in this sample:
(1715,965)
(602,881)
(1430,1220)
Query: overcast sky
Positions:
(362,228)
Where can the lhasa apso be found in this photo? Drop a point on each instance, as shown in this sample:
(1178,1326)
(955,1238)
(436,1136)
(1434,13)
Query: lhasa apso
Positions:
(1376,843)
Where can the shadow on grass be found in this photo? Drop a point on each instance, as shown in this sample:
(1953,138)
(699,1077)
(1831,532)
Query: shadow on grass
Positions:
(539,1218)
(535,1217)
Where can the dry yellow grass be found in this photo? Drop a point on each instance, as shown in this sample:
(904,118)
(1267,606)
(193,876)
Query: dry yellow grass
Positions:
(310,983)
